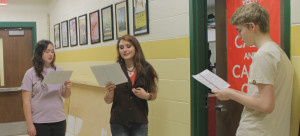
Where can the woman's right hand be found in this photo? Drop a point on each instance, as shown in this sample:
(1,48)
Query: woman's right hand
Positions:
(109,92)
(31,131)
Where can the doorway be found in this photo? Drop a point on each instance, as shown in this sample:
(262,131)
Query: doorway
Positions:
(17,54)
(223,116)
(227,118)
(17,43)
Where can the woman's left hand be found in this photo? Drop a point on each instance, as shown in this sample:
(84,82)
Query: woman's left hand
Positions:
(66,92)
(68,84)
(140,92)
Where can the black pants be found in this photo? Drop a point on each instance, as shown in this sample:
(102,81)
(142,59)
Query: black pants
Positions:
(51,129)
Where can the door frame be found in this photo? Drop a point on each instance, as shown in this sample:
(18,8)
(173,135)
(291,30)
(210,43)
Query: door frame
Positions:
(199,58)
(198,62)
(31,25)
(285,19)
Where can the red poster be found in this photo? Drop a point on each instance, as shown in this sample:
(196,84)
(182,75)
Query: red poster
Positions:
(239,56)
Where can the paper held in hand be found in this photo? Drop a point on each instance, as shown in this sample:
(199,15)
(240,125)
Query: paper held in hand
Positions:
(211,80)
(57,77)
(109,73)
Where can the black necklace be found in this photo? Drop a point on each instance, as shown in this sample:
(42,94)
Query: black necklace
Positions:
(131,70)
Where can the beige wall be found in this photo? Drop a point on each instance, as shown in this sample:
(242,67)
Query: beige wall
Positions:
(28,11)
(1,63)
(295,57)
(169,115)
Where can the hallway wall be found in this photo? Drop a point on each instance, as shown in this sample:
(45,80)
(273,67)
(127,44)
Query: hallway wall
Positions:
(295,57)
(28,11)
(166,47)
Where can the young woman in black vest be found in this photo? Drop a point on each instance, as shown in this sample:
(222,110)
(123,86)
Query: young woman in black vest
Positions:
(129,112)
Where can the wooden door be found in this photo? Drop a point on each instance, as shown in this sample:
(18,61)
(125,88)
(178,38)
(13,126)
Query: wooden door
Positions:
(227,118)
(17,55)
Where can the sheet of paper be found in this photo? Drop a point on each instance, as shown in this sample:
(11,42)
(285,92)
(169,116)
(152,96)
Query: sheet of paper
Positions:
(109,73)
(211,80)
(57,77)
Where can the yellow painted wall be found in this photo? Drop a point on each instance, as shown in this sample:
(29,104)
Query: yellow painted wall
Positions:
(169,114)
(1,63)
(295,58)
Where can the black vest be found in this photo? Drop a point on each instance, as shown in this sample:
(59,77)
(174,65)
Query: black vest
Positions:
(128,108)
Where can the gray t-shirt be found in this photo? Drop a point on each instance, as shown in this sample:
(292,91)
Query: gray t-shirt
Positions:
(46,102)
(270,66)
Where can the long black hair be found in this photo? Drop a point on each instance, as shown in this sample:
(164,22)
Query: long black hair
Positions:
(37,60)
(143,67)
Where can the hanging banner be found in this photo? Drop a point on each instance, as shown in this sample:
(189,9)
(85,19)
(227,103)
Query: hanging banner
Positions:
(239,56)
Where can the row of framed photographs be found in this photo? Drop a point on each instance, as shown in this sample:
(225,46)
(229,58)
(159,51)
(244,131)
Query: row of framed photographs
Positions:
(69,27)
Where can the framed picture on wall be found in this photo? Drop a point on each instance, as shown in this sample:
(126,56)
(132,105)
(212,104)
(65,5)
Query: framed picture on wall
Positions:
(121,11)
(82,23)
(64,34)
(57,35)
(73,31)
(95,27)
(140,17)
(107,23)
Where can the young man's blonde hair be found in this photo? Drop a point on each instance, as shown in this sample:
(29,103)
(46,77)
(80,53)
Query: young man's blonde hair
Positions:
(252,12)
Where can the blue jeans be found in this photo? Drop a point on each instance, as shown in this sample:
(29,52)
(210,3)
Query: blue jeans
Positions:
(134,129)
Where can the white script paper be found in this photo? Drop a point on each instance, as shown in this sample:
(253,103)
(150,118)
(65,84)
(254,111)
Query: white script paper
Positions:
(57,77)
(211,80)
(109,73)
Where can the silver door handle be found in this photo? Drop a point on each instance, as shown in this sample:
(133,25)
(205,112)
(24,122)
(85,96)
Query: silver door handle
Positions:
(220,108)
(11,89)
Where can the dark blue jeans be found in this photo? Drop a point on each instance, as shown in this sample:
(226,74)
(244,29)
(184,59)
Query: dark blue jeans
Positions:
(133,129)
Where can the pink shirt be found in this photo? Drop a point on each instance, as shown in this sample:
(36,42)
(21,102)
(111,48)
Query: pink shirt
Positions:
(46,102)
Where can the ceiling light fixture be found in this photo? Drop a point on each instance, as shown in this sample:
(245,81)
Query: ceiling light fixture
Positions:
(2,2)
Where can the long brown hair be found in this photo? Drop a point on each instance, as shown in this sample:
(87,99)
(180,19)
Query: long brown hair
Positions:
(143,67)
(37,60)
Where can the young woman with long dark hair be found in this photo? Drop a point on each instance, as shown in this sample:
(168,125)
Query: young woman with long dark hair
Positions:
(129,112)
(42,103)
